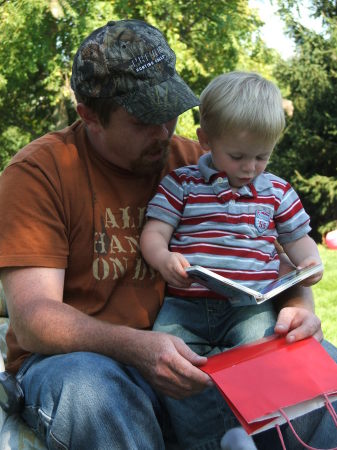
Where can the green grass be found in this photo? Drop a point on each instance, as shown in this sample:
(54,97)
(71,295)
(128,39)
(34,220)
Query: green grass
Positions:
(325,293)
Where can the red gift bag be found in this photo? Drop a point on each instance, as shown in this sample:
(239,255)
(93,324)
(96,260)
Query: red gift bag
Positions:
(270,382)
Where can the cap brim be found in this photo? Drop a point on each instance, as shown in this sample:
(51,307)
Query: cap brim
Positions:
(160,103)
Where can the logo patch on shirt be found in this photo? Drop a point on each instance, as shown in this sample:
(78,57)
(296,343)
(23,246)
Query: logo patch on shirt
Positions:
(262,219)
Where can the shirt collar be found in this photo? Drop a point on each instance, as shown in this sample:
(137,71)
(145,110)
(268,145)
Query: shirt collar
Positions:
(209,173)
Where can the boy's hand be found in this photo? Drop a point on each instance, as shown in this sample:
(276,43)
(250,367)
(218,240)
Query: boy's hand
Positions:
(308,262)
(173,270)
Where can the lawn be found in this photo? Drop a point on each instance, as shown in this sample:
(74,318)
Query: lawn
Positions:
(325,293)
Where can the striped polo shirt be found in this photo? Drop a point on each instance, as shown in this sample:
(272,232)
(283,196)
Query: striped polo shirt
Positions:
(230,233)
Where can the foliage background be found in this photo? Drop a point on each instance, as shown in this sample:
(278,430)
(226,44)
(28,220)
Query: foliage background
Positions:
(39,38)
(325,294)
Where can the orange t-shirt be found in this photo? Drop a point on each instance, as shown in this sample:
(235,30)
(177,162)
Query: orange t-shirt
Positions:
(63,206)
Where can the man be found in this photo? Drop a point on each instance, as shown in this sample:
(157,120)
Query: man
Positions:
(80,298)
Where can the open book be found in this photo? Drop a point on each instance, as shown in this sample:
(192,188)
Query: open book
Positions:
(240,295)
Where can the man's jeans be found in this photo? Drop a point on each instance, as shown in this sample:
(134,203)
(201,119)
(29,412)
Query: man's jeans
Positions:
(86,401)
(209,326)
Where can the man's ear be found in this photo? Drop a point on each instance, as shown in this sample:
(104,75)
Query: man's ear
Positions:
(89,117)
(203,139)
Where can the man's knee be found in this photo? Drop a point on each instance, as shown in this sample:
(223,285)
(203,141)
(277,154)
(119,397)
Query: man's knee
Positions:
(77,378)
(66,394)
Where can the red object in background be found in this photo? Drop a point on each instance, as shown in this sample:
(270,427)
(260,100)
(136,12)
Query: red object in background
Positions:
(331,239)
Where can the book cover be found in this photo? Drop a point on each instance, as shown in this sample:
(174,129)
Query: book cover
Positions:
(265,378)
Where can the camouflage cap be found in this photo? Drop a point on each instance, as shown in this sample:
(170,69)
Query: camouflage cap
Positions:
(131,62)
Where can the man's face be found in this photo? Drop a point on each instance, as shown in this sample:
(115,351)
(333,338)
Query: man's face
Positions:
(133,145)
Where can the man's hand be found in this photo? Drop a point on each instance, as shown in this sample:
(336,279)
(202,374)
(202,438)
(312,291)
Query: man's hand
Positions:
(298,323)
(169,365)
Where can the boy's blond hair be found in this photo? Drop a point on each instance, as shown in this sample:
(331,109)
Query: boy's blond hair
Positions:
(242,101)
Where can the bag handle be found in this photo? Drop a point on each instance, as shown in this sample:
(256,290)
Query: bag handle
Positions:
(332,412)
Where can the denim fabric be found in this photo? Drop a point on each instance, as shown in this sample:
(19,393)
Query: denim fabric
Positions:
(209,326)
(88,401)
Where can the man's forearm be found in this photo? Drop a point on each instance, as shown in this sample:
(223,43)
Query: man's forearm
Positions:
(51,327)
(43,323)
(165,361)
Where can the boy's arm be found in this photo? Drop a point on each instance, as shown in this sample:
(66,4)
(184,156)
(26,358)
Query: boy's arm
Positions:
(304,253)
(154,242)
(296,310)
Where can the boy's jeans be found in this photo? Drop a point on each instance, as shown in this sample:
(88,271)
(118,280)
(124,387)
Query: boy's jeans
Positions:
(209,326)
(86,401)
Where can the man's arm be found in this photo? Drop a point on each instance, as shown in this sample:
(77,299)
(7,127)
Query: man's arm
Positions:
(43,323)
(296,310)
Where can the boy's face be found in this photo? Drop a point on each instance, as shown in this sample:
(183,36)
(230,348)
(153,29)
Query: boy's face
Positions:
(242,155)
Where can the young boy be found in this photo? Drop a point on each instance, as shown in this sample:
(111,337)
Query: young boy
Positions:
(224,214)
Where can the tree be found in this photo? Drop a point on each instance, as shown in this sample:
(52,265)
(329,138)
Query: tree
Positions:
(307,154)
(208,37)
(38,40)
(37,43)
